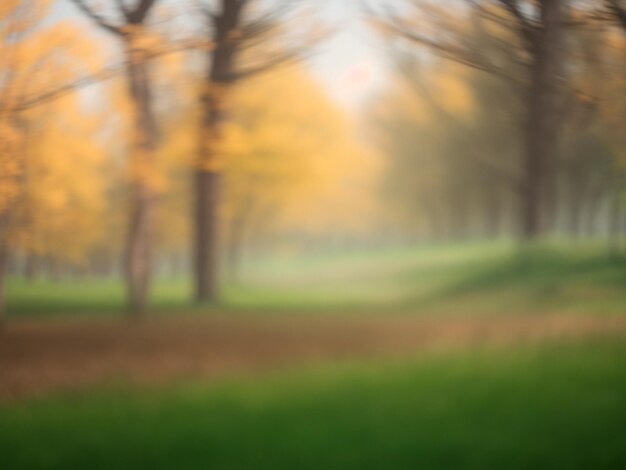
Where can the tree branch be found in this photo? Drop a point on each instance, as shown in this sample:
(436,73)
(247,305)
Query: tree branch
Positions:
(494,165)
(97,77)
(205,11)
(618,11)
(121,6)
(265,23)
(452,52)
(278,60)
(525,26)
(140,12)
(96,18)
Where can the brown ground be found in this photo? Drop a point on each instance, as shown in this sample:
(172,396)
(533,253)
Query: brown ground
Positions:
(37,357)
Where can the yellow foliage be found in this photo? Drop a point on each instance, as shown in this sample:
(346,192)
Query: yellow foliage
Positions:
(10,165)
(290,158)
(454,93)
(293,153)
(51,185)
(63,197)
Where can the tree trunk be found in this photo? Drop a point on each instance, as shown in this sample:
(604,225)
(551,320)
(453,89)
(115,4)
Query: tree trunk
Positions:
(208,194)
(614,222)
(574,219)
(235,251)
(5,223)
(209,172)
(493,215)
(574,208)
(207,235)
(541,126)
(237,236)
(4,258)
(138,252)
(32,268)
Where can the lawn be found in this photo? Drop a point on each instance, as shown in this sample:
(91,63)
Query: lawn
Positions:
(549,404)
(559,405)
(468,278)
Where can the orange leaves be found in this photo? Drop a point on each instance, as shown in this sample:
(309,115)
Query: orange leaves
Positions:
(10,166)
(64,186)
(454,94)
(144,171)
(49,161)
(296,158)
(143,42)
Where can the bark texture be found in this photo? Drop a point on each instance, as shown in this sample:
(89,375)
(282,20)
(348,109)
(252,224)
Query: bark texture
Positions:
(541,126)
(219,79)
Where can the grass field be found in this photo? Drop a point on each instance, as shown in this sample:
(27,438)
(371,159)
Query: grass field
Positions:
(471,278)
(466,357)
(555,406)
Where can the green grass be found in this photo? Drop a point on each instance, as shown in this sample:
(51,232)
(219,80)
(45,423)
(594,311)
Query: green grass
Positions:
(557,406)
(92,297)
(470,278)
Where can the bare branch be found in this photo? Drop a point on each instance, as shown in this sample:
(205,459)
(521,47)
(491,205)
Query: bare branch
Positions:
(618,11)
(527,29)
(139,14)
(258,28)
(102,75)
(53,94)
(121,6)
(205,11)
(266,23)
(503,20)
(494,165)
(96,18)
(278,60)
(455,53)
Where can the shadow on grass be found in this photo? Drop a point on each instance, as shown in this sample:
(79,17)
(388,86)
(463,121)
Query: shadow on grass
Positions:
(533,276)
(468,278)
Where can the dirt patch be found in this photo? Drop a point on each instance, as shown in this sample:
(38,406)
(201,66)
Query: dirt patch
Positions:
(39,357)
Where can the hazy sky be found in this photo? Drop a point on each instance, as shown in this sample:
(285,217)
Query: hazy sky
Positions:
(348,64)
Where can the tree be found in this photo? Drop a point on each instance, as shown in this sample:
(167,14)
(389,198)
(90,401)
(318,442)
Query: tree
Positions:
(35,57)
(131,30)
(233,29)
(292,171)
(537,46)
(64,182)
(452,171)
(616,10)
(286,169)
